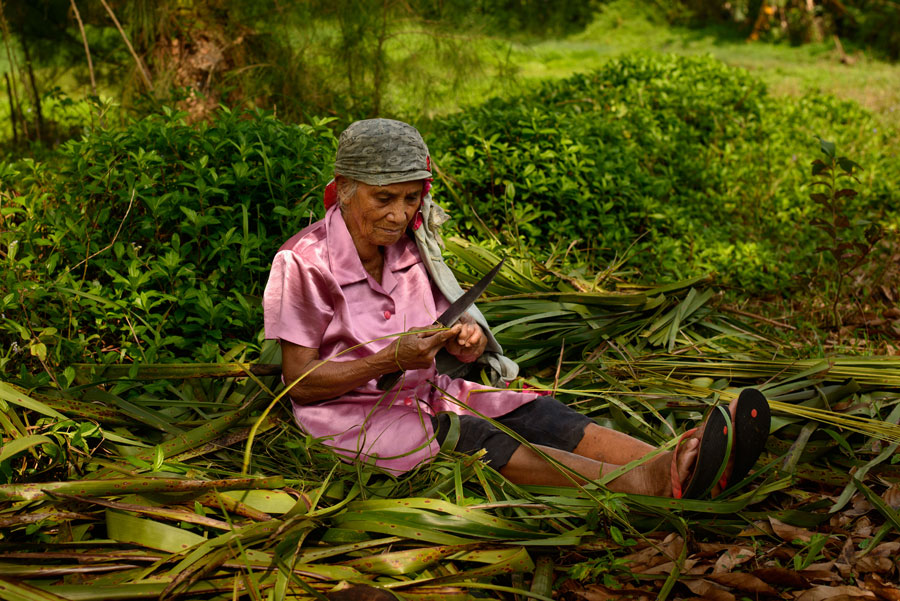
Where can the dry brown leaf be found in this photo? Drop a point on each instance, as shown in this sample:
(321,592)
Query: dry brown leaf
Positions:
(892,496)
(832,593)
(713,548)
(842,597)
(645,559)
(572,590)
(643,556)
(891,549)
(743,582)
(863,528)
(873,564)
(790,533)
(759,528)
(782,577)
(733,556)
(840,520)
(821,572)
(861,506)
(672,546)
(708,590)
(845,558)
(882,590)
(667,567)
(700,568)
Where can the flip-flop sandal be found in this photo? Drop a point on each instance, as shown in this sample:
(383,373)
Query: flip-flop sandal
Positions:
(712,456)
(752,419)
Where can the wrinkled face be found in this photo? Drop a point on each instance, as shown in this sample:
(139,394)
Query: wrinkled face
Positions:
(378,215)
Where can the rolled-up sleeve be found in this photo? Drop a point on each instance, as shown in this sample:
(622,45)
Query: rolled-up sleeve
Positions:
(297,303)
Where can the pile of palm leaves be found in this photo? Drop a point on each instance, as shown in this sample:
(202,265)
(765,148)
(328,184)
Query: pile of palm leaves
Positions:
(175,482)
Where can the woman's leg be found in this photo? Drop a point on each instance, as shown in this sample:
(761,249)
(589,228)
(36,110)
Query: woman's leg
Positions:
(613,447)
(610,446)
(651,478)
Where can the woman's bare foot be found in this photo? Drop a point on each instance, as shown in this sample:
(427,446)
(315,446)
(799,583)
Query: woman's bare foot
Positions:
(655,476)
(685,461)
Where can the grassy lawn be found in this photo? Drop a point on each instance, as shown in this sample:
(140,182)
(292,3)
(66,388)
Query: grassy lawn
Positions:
(627,26)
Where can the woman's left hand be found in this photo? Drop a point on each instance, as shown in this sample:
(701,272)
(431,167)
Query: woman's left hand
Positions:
(471,341)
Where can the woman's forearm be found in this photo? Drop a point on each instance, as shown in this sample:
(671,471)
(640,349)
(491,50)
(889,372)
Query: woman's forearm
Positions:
(329,379)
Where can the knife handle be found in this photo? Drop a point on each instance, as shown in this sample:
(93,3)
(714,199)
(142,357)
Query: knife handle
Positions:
(388,381)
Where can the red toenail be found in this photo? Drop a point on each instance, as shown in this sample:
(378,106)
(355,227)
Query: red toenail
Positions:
(753,413)
(725,430)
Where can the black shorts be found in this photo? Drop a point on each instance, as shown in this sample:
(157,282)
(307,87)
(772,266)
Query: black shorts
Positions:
(544,421)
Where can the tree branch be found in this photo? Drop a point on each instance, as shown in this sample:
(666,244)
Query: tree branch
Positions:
(87,50)
(141,67)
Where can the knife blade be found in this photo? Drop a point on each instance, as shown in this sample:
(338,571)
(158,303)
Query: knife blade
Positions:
(449,317)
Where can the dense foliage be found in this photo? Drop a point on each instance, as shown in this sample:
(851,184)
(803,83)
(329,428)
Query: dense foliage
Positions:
(692,157)
(155,240)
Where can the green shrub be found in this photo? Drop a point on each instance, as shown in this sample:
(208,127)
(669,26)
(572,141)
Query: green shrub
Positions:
(153,241)
(687,154)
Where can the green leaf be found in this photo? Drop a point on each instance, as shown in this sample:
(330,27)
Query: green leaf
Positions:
(827,148)
(848,166)
(159,458)
(16,396)
(126,528)
(17,445)
(38,349)
(20,591)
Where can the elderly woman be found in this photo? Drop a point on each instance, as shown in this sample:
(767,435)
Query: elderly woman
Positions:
(340,292)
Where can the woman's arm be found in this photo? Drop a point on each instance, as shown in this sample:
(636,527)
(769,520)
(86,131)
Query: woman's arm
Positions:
(331,379)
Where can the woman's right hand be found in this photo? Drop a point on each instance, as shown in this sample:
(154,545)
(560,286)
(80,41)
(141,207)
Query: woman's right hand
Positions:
(417,348)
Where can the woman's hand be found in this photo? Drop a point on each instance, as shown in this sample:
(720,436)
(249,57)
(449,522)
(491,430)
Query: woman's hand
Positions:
(417,350)
(470,343)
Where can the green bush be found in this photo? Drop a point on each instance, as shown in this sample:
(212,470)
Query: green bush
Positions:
(153,241)
(689,156)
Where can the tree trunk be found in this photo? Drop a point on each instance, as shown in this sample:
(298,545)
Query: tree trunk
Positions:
(816,30)
(39,115)
(12,109)
(11,81)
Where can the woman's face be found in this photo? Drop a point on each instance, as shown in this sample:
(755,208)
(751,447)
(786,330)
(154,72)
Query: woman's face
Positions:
(378,215)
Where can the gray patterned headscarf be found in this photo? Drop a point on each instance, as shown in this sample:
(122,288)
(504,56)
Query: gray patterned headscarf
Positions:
(379,152)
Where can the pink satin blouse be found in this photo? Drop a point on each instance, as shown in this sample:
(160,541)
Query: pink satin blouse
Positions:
(320,296)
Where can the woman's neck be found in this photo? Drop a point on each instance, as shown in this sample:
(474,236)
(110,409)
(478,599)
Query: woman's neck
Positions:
(374,264)
(372,257)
